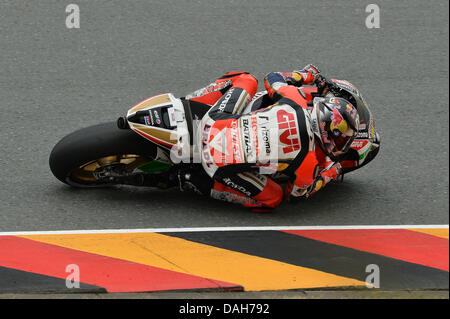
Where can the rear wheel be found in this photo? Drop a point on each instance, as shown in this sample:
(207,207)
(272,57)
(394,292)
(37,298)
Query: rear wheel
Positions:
(100,155)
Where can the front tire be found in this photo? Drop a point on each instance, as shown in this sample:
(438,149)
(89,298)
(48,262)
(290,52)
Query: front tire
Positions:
(98,143)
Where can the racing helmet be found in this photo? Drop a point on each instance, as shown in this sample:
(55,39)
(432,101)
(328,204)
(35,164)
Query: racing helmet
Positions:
(335,124)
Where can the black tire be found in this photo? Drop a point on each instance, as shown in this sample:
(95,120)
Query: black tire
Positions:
(92,143)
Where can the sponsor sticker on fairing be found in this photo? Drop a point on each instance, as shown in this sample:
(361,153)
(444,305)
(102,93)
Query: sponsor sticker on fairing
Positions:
(157,119)
(362,135)
(359,144)
(150,118)
(172,119)
(147,120)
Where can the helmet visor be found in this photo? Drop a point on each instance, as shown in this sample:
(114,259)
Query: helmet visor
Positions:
(343,142)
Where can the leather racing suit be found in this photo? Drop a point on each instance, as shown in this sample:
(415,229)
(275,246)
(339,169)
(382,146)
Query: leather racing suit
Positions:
(239,151)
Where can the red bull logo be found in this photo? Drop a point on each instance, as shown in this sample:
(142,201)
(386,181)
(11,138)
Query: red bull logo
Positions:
(338,122)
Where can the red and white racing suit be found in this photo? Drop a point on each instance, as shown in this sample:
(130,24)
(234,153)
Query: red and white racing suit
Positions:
(239,151)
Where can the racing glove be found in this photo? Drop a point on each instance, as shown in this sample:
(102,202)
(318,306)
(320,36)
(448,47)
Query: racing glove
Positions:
(308,74)
(330,173)
(323,84)
(274,81)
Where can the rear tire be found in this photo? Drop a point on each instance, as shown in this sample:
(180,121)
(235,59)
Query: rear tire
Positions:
(92,143)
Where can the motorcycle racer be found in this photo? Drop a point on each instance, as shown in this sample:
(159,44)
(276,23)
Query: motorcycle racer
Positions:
(300,138)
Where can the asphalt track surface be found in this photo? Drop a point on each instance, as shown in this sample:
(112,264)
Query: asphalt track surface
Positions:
(54,80)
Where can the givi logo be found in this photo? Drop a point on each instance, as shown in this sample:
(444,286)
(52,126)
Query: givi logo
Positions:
(288,131)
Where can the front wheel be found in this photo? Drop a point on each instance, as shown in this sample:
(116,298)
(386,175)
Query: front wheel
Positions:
(99,155)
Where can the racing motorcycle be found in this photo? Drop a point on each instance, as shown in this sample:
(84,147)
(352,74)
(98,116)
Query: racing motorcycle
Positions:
(152,139)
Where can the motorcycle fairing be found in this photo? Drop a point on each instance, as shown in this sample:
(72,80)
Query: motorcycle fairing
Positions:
(162,120)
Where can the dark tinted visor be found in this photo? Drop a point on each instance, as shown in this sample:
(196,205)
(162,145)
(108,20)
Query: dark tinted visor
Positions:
(343,141)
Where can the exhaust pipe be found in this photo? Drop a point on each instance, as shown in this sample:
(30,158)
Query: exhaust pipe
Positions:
(122,123)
